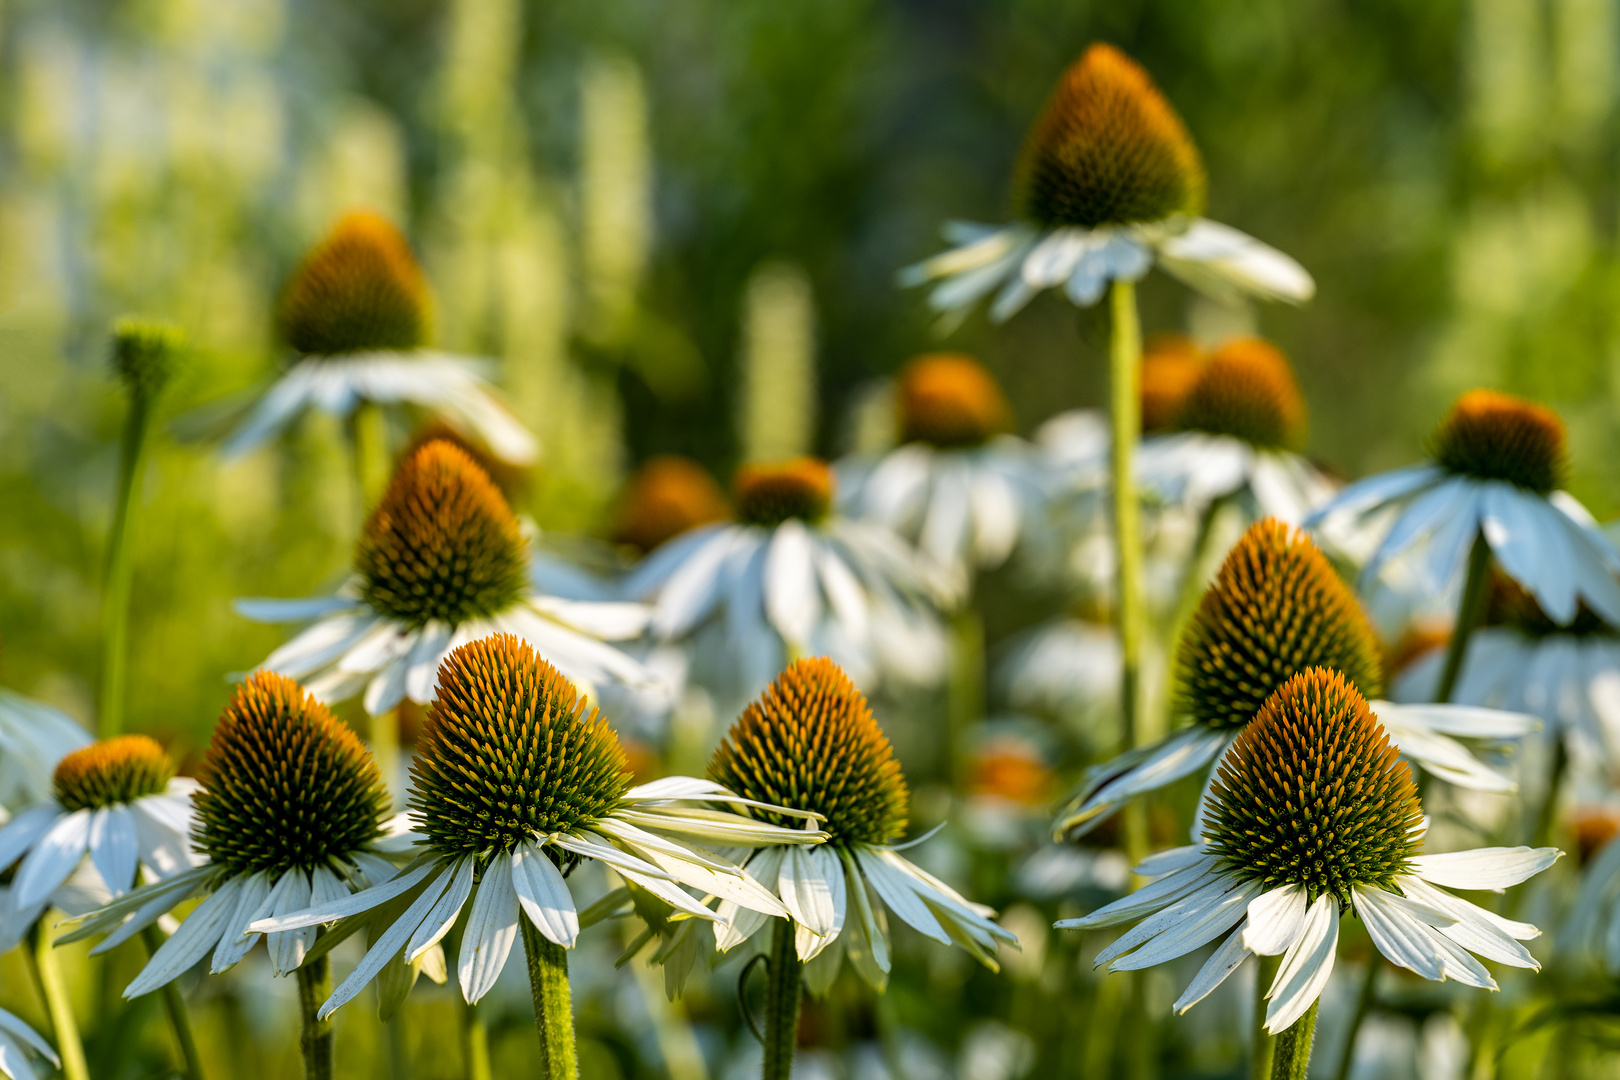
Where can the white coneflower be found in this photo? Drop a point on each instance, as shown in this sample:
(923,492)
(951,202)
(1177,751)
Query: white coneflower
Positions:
(793,576)
(442,561)
(291,810)
(810,743)
(1492,489)
(959,486)
(1108,184)
(357,313)
(516,779)
(117,801)
(1275,609)
(1312,815)
(34,736)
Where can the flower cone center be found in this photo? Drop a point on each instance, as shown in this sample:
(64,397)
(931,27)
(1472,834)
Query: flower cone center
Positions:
(1246,390)
(668,496)
(1494,436)
(112,771)
(1313,793)
(1170,365)
(947,400)
(768,495)
(359,289)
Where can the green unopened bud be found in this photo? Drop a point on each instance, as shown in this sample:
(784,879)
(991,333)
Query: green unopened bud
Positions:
(146,353)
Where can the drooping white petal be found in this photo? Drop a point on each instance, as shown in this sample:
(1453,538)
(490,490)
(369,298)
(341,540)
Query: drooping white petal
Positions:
(1219,260)
(386,947)
(451,889)
(1148,899)
(898,893)
(1276,919)
(52,859)
(16,1027)
(198,934)
(1484,868)
(113,847)
(1221,963)
(544,896)
(871,930)
(293,892)
(1182,927)
(1305,967)
(1402,939)
(353,904)
(234,938)
(492,927)
(22,831)
(792,599)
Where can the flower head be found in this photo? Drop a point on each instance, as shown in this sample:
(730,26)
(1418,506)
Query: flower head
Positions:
(1170,366)
(1314,794)
(1494,436)
(145,353)
(1507,603)
(1108,150)
(360,289)
(511,751)
(1275,609)
(442,544)
(770,494)
(949,400)
(667,496)
(1246,390)
(810,743)
(113,771)
(285,785)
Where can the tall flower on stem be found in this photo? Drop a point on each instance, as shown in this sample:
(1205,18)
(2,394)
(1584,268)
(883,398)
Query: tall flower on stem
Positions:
(1312,815)
(517,780)
(358,315)
(1490,490)
(1109,181)
(810,743)
(144,357)
(1276,609)
(291,809)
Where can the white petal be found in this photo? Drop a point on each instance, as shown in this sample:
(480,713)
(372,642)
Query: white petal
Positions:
(234,939)
(492,927)
(54,857)
(17,1027)
(113,847)
(806,891)
(1222,962)
(1402,939)
(1305,967)
(1484,868)
(422,667)
(1150,898)
(1276,919)
(451,891)
(22,831)
(1182,927)
(544,896)
(384,949)
(354,904)
(792,600)
(1224,262)
(899,894)
(197,935)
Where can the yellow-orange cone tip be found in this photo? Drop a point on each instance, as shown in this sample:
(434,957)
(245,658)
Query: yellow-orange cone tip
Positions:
(949,400)
(768,494)
(667,496)
(358,290)
(1246,390)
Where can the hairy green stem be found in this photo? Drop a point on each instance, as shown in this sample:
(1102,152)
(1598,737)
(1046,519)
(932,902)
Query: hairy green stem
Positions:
(53,989)
(174,1004)
(368,441)
(965,689)
(315,1036)
(1364,1004)
(1263,1044)
(1125,419)
(553,1003)
(781,1002)
(1293,1054)
(1470,613)
(474,1042)
(120,570)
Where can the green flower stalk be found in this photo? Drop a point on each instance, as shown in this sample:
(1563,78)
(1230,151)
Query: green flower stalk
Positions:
(145,355)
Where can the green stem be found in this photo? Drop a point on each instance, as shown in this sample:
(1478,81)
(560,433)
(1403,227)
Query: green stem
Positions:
(53,989)
(1293,1055)
(368,440)
(474,1043)
(965,689)
(1125,418)
(1470,612)
(315,1037)
(174,1003)
(1364,1004)
(1263,1043)
(121,570)
(781,1003)
(553,1004)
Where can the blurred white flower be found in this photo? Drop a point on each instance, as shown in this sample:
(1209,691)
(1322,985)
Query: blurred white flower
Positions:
(33,737)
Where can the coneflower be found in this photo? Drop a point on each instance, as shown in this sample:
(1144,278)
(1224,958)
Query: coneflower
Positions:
(1275,609)
(667,496)
(1170,365)
(1312,814)
(291,811)
(357,315)
(810,743)
(517,778)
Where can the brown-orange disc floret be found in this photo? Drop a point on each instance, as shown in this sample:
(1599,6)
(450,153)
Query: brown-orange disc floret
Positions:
(284,783)
(810,743)
(950,400)
(1170,366)
(1108,150)
(359,289)
(1494,436)
(512,752)
(112,771)
(770,494)
(442,544)
(668,495)
(1246,390)
(1275,609)
(1313,793)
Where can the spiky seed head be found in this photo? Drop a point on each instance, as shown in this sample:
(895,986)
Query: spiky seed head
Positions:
(1170,366)
(1275,609)
(950,400)
(1011,768)
(357,290)
(112,771)
(1313,793)
(1494,436)
(511,752)
(810,743)
(511,479)
(285,784)
(1507,603)
(668,495)
(146,353)
(1108,150)
(770,494)
(1246,390)
(442,544)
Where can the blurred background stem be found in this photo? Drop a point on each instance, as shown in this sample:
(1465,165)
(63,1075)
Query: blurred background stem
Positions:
(474,1042)
(1124,377)
(121,567)
(53,991)
(1263,1044)
(1470,612)
(174,1004)
(965,702)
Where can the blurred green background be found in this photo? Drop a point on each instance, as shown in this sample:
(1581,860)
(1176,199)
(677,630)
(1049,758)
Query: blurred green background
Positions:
(621,201)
